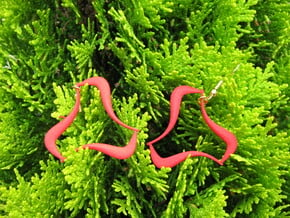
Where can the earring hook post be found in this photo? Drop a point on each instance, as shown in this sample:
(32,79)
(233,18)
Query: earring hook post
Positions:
(236,68)
(214,91)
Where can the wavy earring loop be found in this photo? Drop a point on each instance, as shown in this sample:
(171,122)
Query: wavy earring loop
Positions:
(125,152)
(175,102)
(114,151)
(228,137)
(105,92)
(55,132)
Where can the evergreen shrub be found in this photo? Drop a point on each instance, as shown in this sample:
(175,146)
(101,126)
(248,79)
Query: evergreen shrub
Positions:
(144,49)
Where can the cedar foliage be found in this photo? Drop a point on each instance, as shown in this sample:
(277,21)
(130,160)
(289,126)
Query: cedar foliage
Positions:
(144,49)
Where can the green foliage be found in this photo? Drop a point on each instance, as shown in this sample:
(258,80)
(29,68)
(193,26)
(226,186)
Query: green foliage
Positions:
(36,198)
(144,49)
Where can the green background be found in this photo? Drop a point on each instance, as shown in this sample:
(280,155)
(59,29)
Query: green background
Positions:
(144,49)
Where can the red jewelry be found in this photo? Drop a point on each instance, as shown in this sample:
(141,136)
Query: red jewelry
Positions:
(55,132)
(175,101)
(105,92)
(114,151)
(125,152)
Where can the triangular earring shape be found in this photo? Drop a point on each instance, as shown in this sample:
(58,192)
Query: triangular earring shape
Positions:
(114,151)
(175,101)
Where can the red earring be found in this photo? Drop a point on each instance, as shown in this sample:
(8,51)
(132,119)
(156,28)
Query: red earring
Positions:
(175,101)
(114,151)
(55,132)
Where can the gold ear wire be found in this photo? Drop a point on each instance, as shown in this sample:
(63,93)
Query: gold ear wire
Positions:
(236,68)
(76,87)
(214,91)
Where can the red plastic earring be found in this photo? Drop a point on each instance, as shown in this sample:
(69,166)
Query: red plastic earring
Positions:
(175,101)
(105,92)
(55,132)
(114,151)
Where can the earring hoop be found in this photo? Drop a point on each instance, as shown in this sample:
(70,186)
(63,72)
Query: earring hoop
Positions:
(114,151)
(56,131)
(175,102)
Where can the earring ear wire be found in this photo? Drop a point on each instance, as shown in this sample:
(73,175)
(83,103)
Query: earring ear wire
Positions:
(212,93)
(236,68)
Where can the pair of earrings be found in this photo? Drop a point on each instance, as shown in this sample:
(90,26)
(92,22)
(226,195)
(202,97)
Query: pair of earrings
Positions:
(127,151)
